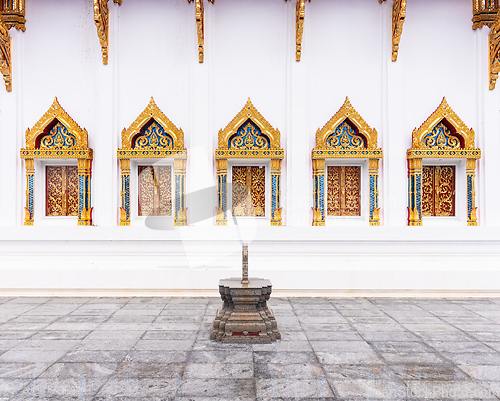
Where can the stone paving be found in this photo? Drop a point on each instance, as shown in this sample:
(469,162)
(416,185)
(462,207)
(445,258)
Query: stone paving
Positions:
(332,348)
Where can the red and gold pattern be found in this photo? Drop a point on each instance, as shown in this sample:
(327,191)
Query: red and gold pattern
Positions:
(62,191)
(343,191)
(438,191)
(249,186)
(155,190)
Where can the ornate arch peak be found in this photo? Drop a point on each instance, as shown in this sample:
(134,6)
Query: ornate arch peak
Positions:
(51,117)
(443,112)
(442,136)
(153,113)
(347,113)
(249,112)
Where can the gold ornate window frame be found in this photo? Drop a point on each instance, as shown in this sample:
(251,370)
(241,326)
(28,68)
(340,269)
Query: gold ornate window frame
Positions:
(223,153)
(420,150)
(79,150)
(176,151)
(13,14)
(323,152)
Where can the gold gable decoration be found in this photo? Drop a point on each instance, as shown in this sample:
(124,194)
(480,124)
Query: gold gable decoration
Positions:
(442,136)
(484,12)
(152,115)
(64,139)
(200,27)
(5,56)
(346,117)
(266,145)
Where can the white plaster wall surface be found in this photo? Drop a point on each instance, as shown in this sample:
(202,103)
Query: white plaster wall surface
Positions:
(249,52)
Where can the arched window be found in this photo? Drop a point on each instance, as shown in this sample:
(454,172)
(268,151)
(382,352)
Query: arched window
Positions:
(61,146)
(343,147)
(434,167)
(249,136)
(153,137)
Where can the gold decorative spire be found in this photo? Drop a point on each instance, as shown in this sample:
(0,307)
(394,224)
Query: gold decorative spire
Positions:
(494,39)
(5,56)
(200,27)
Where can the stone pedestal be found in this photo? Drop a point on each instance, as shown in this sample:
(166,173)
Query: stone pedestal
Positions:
(244,316)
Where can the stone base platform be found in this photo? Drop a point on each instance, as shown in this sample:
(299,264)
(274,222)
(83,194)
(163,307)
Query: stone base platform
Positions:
(244,316)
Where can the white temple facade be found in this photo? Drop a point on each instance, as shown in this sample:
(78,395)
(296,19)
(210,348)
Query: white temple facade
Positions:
(355,172)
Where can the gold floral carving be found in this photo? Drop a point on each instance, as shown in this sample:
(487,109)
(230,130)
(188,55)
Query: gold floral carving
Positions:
(398,19)
(13,14)
(346,112)
(484,12)
(494,42)
(5,56)
(443,112)
(249,112)
(200,27)
(56,114)
(152,113)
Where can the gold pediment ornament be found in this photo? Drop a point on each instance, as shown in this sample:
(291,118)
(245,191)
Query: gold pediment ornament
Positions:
(264,133)
(5,56)
(200,27)
(13,14)
(438,121)
(494,44)
(157,147)
(346,113)
(76,147)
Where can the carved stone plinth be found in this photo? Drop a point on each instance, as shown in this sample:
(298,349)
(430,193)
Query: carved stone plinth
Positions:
(244,316)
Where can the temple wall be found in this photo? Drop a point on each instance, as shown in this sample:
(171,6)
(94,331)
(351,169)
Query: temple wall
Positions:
(250,52)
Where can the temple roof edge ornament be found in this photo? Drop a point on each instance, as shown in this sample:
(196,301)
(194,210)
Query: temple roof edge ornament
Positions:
(494,51)
(13,14)
(101,19)
(300,13)
(5,56)
(484,13)
(398,19)
(200,27)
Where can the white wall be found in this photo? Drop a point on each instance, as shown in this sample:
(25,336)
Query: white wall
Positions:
(250,52)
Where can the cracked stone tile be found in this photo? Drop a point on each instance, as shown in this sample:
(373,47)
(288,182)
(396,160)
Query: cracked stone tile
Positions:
(313,388)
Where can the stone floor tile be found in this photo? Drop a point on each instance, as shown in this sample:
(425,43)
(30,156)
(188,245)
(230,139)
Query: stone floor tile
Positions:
(72,326)
(34,319)
(428,372)
(359,372)
(83,387)
(108,326)
(169,335)
(484,336)
(459,346)
(317,388)
(203,343)
(332,336)
(172,326)
(260,357)
(157,356)
(482,372)
(370,389)
(33,326)
(32,356)
(284,346)
(79,369)
(415,358)
(60,335)
(370,320)
(293,335)
(449,390)
(400,347)
(179,318)
(102,356)
(327,327)
(222,389)
(392,328)
(349,358)
(305,320)
(83,319)
(219,371)
(117,344)
(288,371)
(136,312)
(46,345)
(170,345)
(52,310)
(444,336)
(110,334)
(142,388)
(341,346)
(468,358)
(221,356)
(10,387)
(22,370)
(150,370)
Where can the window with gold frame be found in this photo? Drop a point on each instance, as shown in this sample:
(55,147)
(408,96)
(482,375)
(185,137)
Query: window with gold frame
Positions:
(249,190)
(61,190)
(154,190)
(343,195)
(438,191)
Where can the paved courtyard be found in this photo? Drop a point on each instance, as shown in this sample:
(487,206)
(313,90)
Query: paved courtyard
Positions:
(331,348)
